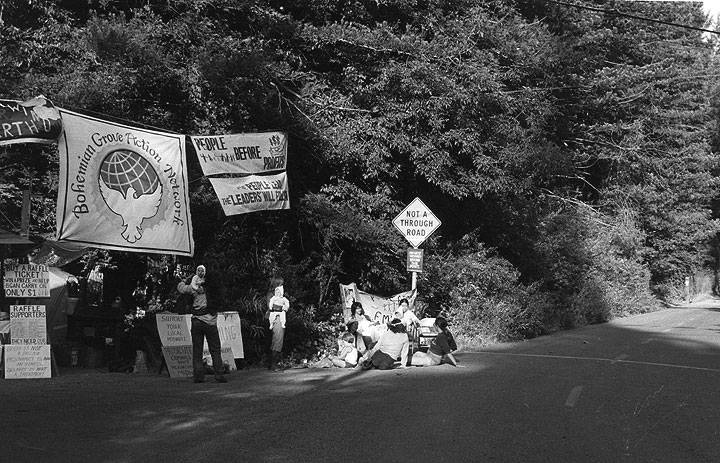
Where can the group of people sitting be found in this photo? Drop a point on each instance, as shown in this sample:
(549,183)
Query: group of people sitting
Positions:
(367,344)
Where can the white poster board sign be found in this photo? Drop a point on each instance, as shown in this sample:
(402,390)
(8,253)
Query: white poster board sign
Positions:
(230,331)
(226,354)
(27,280)
(24,362)
(178,360)
(174,330)
(28,324)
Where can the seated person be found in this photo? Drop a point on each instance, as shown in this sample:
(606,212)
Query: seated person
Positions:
(407,315)
(440,348)
(364,326)
(347,356)
(392,344)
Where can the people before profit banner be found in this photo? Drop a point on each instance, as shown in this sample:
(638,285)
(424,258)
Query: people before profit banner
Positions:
(252,193)
(245,153)
(122,187)
(32,121)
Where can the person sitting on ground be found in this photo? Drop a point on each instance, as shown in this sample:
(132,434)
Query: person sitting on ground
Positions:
(347,356)
(439,349)
(391,345)
(364,325)
(407,315)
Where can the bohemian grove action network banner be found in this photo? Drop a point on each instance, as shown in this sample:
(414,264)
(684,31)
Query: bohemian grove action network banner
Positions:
(252,193)
(247,153)
(32,121)
(122,187)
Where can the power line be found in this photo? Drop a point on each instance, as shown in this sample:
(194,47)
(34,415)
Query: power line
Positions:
(616,12)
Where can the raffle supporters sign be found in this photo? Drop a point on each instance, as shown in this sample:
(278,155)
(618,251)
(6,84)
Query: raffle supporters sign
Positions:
(122,187)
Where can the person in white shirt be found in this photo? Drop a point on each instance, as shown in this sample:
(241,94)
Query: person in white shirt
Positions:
(392,344)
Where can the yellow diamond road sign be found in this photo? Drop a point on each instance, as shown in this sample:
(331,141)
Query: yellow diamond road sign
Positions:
(416,222)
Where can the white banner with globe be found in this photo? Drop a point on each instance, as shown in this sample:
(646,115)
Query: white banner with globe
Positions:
(122,187)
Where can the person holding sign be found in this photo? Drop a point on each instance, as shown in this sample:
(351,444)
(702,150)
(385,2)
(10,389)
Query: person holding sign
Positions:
(203,325)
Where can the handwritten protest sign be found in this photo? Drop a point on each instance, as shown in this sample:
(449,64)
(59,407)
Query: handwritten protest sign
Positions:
(28,324)
(174,330)
(245,153)
(230,331)
(178,360)
(27,280)
(252,193)
(23,362)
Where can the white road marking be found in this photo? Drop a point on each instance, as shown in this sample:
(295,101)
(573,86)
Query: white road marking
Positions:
(574,396)
(598,359)
(619,358)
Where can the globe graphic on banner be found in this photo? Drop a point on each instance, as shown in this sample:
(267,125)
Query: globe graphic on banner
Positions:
(122,169)
(130,187)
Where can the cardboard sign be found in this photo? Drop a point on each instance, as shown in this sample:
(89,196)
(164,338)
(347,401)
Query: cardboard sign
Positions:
(230,331)
(28,324)
(244,153)
(174,330)
(178,360)
(25,362)
(27,280)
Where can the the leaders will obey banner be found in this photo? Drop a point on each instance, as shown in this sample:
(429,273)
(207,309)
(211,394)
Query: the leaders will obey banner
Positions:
(252,193)
(32,121)
(244,153)
(122,187)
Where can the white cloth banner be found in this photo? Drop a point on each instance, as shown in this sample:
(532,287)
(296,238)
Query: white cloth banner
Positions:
(244,153)
(122,187)
(252,193)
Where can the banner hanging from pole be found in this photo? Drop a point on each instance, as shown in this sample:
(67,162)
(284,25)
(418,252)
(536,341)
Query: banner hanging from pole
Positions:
(122,187)
(252,193)
(244,153)
(32,121)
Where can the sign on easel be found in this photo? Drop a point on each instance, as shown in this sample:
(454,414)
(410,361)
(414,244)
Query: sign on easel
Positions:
(27,361)
(28,324)
(27,280)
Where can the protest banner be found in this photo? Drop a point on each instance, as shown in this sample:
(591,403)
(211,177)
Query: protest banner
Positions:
(173,329)
(28,324)
(32,121)
(252,193)
(244,153)
(26,362)
(27,280)
(178,360)
(122,188)
(382,309)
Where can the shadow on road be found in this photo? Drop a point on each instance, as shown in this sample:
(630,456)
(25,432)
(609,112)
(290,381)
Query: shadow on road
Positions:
(635,389)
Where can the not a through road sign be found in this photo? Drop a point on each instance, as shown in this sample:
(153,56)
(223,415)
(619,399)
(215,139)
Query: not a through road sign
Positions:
(416,222)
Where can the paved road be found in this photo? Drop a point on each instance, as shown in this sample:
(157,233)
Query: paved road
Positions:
(643,389)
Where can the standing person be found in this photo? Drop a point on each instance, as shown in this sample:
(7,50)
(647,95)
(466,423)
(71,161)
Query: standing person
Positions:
(204,325)
(278,306)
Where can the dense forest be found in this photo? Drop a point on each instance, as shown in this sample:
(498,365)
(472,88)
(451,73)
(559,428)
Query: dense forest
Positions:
(569,152)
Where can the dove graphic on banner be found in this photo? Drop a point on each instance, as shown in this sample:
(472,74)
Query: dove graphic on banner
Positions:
(131,189)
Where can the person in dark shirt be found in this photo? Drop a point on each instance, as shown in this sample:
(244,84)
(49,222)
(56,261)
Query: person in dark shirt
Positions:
(440,349)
